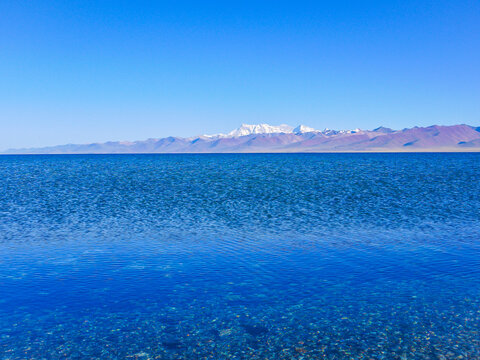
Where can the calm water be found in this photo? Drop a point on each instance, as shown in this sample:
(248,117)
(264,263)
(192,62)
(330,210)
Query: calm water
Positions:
(329,256)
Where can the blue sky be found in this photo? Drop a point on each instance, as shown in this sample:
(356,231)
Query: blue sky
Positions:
(86,71)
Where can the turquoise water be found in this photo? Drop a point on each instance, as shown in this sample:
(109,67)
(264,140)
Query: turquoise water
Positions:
(285,256)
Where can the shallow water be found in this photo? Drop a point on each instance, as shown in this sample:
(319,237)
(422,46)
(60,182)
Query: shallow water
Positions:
(285,256)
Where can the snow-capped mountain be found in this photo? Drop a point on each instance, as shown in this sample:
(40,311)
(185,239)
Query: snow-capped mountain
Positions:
(246,129)
(285,138)
(300,129)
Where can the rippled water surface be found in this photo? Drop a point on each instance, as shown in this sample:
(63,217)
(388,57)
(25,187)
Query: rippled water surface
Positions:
(285,256)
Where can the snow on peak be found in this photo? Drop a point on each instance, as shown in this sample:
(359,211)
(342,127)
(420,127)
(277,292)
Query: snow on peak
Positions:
(247,129)
(303,129)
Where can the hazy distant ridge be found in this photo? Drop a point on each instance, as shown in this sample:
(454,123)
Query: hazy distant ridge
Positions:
(284,138)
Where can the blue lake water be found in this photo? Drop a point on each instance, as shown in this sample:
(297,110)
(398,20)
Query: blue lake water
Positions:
(278,256)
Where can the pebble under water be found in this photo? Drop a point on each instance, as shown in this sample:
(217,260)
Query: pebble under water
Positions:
(273,256)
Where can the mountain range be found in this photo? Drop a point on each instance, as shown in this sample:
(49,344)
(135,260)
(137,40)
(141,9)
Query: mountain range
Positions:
(285,138)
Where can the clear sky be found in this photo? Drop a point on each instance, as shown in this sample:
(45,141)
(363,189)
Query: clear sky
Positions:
(84,71)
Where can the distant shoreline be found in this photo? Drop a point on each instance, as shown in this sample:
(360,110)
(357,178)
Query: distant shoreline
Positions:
(418,151)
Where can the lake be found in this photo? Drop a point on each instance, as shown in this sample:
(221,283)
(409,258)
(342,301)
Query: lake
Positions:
(240,256)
